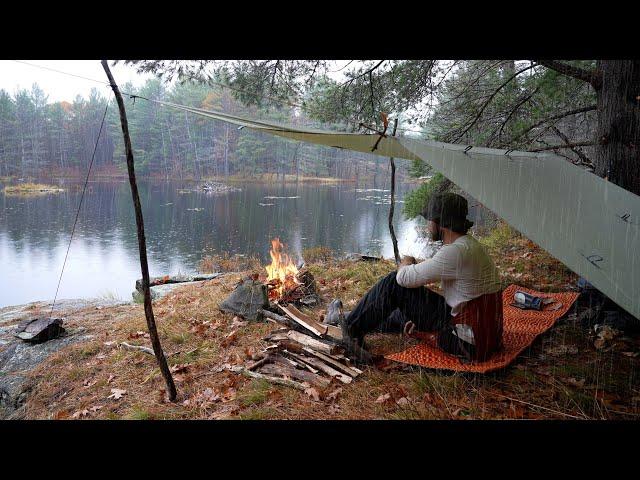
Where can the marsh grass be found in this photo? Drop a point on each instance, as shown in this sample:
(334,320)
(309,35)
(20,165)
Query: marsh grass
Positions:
(27,189)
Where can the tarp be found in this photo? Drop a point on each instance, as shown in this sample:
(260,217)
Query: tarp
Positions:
(586,222)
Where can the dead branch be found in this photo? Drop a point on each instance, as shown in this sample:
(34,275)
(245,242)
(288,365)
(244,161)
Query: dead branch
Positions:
(139,348)
(486,104)
(552,118)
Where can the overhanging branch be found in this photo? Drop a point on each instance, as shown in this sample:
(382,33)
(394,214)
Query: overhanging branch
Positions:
(590,76)
(552,118)
(567,145)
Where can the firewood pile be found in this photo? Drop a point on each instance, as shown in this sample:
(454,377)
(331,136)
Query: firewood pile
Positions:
(302,354)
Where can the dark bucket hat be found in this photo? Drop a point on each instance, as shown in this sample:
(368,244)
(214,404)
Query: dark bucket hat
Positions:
(449,210)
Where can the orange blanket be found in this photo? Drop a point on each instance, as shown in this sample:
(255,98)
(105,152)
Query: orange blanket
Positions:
(521,327)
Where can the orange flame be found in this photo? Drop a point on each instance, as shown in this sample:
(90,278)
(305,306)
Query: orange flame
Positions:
(282,273)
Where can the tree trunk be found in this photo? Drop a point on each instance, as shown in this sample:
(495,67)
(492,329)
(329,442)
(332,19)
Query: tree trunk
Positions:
(142,243)
(618,157)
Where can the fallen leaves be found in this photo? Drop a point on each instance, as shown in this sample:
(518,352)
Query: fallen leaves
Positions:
(383,398)
(138,334)
(238,322)
(312,393)
(117,393)
(179,368)
(333,396)
(229,339)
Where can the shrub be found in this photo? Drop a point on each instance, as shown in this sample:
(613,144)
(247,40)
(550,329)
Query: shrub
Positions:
(317,254)
(229,263)
(416,200)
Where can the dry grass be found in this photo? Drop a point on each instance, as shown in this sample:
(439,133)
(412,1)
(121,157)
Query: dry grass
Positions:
(317,254)
(26,189)
(226,262)
(587,384)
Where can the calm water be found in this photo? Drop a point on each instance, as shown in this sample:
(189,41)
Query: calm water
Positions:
(180,229)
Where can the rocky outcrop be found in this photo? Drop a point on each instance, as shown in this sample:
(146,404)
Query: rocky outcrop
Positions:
(18,358)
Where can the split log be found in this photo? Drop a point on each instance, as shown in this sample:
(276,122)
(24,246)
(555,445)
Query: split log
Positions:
(325,329)
(291,372)
(278,381)
(287,362)
(336,364)
(308,323)
(314,344)
(302,360)
(280,319)
(320,365)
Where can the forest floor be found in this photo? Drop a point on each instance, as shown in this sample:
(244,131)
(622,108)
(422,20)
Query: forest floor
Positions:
(561,376)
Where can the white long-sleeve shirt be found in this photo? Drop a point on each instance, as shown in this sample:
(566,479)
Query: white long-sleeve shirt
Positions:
(464,268)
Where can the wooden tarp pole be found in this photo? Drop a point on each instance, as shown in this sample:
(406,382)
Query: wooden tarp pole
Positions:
(396,252)
(142,243)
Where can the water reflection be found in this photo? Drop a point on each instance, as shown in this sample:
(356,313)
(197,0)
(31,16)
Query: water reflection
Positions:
(181,228)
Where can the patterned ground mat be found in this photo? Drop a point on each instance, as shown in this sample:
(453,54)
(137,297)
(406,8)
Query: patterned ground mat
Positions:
(520,329)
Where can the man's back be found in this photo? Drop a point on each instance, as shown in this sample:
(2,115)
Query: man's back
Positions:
(464,267)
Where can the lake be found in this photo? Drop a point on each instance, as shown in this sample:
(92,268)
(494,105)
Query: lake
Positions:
(180,228)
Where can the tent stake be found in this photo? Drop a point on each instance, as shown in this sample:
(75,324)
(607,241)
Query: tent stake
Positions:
(396,252)
(142,243)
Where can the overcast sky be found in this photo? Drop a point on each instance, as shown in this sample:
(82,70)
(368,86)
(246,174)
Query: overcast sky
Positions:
(58,87)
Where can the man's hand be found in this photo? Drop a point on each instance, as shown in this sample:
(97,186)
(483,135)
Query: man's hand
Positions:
(407,260)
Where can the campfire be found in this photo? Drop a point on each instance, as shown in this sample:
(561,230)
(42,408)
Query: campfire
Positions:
(285,282)
(282,274)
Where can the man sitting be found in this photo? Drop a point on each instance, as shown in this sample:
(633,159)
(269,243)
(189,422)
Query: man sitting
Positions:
(468,316)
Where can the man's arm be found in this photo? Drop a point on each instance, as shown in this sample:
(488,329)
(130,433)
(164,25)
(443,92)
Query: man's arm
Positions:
(444,265)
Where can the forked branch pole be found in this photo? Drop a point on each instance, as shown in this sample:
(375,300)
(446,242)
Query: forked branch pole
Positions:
(396,252)
(142,244)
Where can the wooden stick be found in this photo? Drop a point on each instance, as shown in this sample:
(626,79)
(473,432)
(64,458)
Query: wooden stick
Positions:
(394,240)
(142,243)
(136,347)
(268,378)
(259,363)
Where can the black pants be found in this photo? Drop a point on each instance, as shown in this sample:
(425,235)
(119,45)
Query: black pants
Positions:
(387,307)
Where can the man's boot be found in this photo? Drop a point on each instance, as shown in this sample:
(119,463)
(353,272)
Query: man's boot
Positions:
(354,345)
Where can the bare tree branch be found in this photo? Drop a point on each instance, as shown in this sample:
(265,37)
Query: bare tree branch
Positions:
(484,106)
(590,76)
(552,118)
(576,150)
